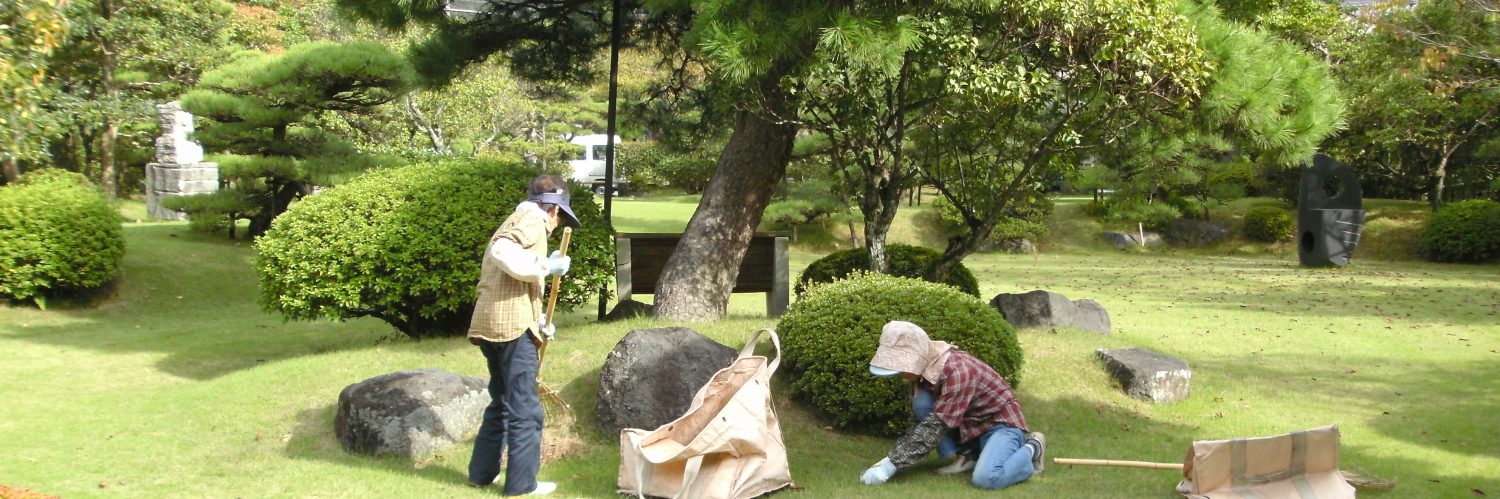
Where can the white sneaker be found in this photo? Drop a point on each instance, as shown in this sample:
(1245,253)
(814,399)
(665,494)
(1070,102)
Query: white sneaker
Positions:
(543,488)
(960,465)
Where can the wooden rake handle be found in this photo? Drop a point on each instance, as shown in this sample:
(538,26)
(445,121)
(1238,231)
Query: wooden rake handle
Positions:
(1118,464)
(552,299)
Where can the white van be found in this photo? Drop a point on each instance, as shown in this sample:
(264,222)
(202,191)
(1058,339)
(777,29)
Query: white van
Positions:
(588,165)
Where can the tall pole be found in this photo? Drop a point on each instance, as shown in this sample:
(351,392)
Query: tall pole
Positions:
(609,139)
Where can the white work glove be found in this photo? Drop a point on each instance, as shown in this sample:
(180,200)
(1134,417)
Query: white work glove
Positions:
(548,329)
(558,264)
(879,473)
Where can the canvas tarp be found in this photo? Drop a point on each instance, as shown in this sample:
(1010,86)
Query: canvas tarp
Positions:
(728,445)
(1302,464)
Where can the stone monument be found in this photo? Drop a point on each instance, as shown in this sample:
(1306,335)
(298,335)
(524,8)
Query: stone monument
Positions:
(179,169)
(1330,213)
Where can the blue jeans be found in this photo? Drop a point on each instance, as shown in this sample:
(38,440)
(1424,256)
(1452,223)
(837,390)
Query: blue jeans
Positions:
(513,419)
(1001,463)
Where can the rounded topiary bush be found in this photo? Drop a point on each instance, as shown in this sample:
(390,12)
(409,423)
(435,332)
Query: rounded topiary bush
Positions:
(829,335)
(58,236)
(1269,224)
(1465,231)
(905,261)
(404,245)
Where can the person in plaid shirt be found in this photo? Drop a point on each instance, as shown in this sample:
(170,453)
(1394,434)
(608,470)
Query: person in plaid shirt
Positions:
(961,405)
(508,326)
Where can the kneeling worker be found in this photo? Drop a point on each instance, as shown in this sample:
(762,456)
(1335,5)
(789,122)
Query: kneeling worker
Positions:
(960,403)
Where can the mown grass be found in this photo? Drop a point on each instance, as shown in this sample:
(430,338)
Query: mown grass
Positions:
(180,386)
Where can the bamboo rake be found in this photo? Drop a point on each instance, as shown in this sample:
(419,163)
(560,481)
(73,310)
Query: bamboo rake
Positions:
(552,401)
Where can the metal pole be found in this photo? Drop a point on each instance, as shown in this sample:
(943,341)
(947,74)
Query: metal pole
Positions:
(609,139)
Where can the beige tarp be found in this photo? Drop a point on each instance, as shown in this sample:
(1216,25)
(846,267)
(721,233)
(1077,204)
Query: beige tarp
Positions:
(1303,464)
(728,445)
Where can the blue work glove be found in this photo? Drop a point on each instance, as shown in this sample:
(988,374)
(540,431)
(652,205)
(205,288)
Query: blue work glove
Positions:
(558,264)
(879,473)
(548,329)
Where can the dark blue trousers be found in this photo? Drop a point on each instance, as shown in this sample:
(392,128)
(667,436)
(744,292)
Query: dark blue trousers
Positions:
(513,419)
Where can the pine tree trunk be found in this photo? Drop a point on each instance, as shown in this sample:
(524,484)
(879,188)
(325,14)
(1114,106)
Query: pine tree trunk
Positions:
(12,170)
(879,204)
(698,277)
(108,176)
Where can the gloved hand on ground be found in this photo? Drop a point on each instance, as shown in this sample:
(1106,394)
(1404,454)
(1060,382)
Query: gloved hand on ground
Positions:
(879,473)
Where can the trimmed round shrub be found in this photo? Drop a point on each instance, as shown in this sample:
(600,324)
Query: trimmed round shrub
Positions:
(405,245)
(58,236)
(829,335)
(905,261)
(1269,224)
(1465,231)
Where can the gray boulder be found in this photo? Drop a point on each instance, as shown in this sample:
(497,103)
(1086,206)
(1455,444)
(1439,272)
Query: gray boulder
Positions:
(628,309)
(1148,375)
(412,413)
(1195,233)
(1124,240)
(1017,246)
(650,377)
(1051,310)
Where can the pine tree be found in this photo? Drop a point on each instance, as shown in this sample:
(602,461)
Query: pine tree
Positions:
(259,110)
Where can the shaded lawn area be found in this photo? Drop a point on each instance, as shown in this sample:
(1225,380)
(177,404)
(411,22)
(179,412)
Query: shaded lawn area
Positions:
(179,385)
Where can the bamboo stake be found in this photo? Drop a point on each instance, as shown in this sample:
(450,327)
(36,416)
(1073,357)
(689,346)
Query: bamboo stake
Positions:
(1118,464)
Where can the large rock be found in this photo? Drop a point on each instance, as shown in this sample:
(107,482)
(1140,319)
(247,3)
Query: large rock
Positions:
(410,413)
(650,377)
(1124,240)
(1051,310)
(1148,375)
(627,309)
(1195,233)
(1017,246)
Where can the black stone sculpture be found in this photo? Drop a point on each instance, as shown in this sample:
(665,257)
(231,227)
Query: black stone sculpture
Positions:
(1330,213)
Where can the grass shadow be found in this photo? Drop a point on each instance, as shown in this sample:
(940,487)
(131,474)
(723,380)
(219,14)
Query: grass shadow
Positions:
(183,294)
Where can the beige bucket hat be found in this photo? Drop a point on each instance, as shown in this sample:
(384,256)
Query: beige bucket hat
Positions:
(905,348)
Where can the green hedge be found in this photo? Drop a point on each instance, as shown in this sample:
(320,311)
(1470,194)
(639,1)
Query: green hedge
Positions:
(1268,224)
(905,261)
(58,236)
(829,335)
(404,245)
(1465,231)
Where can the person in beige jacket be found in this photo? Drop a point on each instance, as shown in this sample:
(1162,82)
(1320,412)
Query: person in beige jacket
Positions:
(508,326)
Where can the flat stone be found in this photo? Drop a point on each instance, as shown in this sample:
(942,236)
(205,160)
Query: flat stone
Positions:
(1123,240)
(413,414)
(1191,233)
(651,375)
(1045,309)
(1148,375)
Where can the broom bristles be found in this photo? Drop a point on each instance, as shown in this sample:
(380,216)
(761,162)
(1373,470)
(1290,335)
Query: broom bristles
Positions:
(1364,481)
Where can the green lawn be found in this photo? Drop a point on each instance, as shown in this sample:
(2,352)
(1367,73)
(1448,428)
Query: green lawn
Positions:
(180,386)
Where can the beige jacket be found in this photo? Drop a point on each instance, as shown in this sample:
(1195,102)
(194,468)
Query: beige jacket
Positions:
(508,306)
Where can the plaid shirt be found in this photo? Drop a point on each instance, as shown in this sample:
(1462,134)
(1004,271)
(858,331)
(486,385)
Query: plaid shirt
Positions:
(973,398)
(507,307)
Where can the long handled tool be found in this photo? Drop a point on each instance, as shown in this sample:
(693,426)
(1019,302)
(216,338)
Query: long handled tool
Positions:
(1354,478)
(553,404)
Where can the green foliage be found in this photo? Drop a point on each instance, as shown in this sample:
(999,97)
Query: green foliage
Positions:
(639,163)
(1268,224)
(1006,229)
(33,28)
(689,172)
(1424,88)
(905,260)
(405,245)
(58,235)
(830,333)
(1465,231)
(1129,211)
